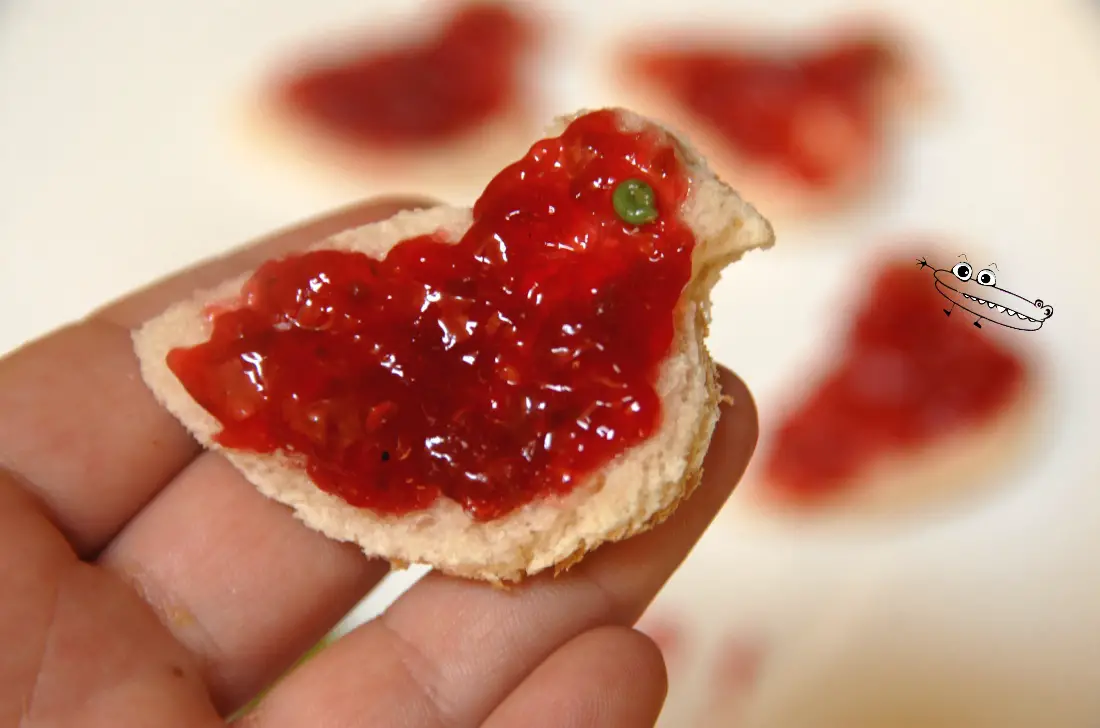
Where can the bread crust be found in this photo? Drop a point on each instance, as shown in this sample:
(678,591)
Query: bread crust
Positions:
(633,493)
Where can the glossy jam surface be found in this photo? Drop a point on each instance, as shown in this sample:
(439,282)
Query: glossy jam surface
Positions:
(813,116)
(492,371)
(908,376)
(424,92)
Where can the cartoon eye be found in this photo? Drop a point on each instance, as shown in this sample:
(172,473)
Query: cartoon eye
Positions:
(1048,311)
(962,271)
(986,277)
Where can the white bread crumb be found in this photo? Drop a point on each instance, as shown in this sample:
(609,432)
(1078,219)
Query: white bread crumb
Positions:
(635,491)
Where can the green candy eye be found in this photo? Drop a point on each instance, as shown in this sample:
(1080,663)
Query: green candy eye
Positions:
(633,201)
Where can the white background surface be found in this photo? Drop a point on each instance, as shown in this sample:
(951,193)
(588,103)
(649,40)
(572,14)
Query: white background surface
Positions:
(116,167)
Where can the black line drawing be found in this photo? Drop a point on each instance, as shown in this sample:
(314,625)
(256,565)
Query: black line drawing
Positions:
(978,294)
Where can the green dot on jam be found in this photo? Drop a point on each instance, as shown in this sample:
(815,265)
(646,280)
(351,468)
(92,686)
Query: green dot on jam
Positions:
(634,202)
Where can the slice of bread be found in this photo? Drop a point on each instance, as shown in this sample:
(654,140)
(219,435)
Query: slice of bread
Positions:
(953,471)
(634,492)
(271,130)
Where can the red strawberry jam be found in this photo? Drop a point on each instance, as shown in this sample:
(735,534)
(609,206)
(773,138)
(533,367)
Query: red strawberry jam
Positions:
(910,374)
(433,89)
(494,371)
(815,117)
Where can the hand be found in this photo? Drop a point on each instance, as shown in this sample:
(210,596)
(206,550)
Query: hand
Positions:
(147,584)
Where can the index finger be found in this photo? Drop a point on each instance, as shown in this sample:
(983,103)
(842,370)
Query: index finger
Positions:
(78,427)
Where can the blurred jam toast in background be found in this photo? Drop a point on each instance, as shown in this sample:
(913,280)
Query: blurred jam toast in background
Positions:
(912,542)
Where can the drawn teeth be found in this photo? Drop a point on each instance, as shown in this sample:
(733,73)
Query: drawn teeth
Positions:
(1001,309)
(990,304)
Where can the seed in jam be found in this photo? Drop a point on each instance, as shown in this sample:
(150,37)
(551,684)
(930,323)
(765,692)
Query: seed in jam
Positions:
(634,202)
(493,371)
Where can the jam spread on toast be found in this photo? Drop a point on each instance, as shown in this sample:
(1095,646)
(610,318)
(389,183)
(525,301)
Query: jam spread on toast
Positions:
(812,116)
(908,375)
(492,370)
(424,92)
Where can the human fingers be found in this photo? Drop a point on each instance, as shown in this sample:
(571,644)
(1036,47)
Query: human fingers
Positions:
(612,677)
(236,578)
(78,427)
(77,647)
(449,651)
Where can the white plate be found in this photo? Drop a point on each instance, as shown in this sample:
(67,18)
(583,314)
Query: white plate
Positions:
(116,167)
